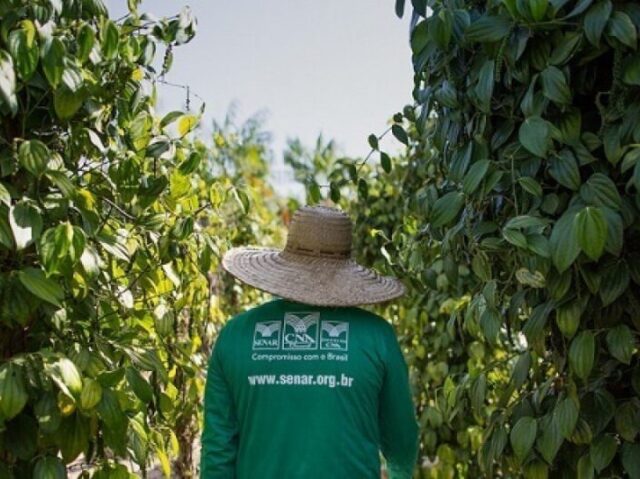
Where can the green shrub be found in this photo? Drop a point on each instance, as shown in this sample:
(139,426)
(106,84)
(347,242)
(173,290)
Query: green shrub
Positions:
(112,222)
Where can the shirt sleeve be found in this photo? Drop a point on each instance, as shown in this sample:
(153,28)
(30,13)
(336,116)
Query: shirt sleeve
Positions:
(220,433)
(398,425)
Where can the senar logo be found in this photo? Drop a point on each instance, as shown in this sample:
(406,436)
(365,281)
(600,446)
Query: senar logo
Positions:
(300,331)
(267,335)
(334,335)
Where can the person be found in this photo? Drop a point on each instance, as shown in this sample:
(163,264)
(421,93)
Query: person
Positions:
(309,385)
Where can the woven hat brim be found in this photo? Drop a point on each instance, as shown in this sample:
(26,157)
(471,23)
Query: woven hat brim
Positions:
(310,279)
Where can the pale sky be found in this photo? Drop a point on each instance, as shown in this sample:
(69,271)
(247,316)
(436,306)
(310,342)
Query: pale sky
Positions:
(340,67)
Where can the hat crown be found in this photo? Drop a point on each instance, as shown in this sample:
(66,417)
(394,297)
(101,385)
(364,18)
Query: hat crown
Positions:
(320,231)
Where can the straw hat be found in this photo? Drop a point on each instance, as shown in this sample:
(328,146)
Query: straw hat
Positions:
(315,266)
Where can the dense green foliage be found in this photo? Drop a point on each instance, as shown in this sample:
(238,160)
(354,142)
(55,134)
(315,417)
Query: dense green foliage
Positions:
(513,217)
(112,222)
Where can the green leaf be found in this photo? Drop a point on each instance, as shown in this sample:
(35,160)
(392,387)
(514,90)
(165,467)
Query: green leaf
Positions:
(626,420)
(484,87)
(631,459)
(520,371)
(441,27)
(585,467)
(446,209)
(8,82)
(400,134)
(488,29)
(554,85)
(26,223)
(66,103)
(595,21)
(565,414)
(523,436)
(530,185)
(373,141)
(564,241)
(568,318)
(24,50)
(490,324)
(53,61)
(538,8)
(564,169)
(591,228)
(535,135)
(474,176)
(621,27)
(582,354)
(54,246)
(33,156)
(44,288)
(600,190)
(621,343)
(86,39)
(615,282)
(49,467)
(550,440)
(110,39)
(602,451)
(385,162)
(139,385)
(565,49)
(13,395)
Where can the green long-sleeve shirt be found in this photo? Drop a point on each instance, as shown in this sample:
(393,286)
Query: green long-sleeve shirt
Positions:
(298,391)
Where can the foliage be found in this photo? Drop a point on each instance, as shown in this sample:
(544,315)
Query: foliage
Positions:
(517,233)
(112,222)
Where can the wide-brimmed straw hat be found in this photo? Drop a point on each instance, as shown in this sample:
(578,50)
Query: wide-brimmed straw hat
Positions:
(315,266)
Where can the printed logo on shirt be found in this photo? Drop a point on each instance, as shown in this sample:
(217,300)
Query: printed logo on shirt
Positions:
(300,331)
(267,335)
(334,335)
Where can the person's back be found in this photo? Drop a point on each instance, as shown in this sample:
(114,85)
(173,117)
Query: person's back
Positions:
(300,391)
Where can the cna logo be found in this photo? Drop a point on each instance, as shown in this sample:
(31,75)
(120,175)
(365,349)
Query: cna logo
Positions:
(300,331)
(334,335)
(267,335)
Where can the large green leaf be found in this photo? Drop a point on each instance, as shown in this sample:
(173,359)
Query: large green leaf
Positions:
(535,135)
(522,436)
(563,167)
(24,49)
(600,190)
(564,241)
(34,156)
(53,61)
(591,228)
(621,27)
(554,85)
(602,451)
(582,354)
(446,209)
(565,415)
(488,29)
(595,20)
(484,87)
(44,288)
(621,343)
(67,102)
